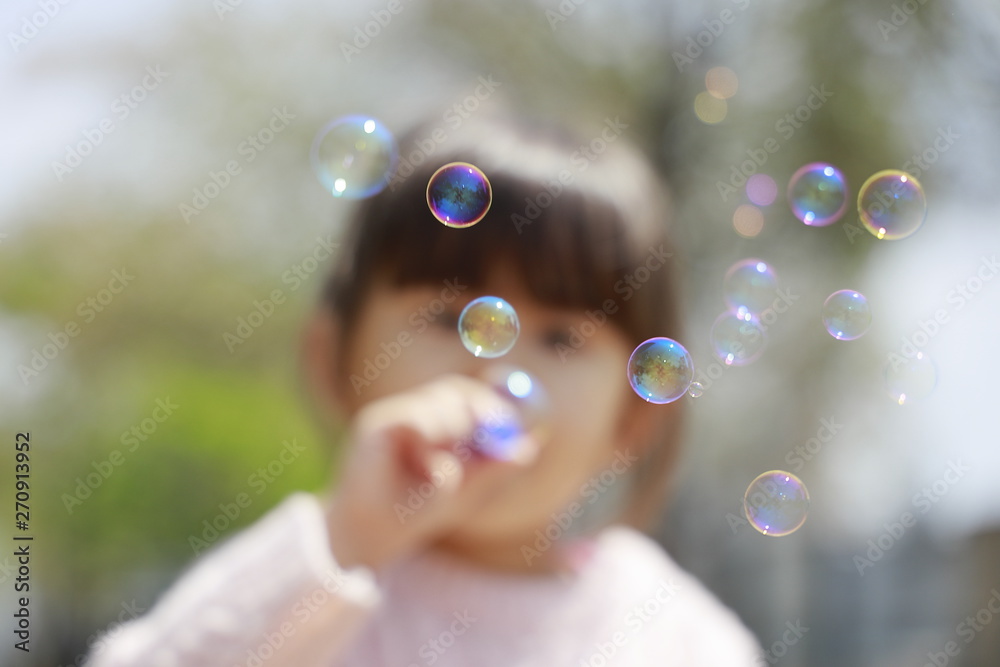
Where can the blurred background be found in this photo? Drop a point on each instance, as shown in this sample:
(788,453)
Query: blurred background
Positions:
(118,284)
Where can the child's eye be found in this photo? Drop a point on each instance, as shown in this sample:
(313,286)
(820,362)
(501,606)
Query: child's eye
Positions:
(447,320)
(556,337)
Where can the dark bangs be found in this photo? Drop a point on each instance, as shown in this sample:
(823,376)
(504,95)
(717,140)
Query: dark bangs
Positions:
(577,227)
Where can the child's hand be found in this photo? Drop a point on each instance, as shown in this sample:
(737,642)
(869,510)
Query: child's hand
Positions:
(419,438)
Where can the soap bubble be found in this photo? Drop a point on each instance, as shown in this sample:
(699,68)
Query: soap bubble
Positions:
(696,390)
(737,338)
(846,314)
(459,194)
(488,327)
(776,503)
(910,379)
(660,370)
(892,204)
(817,194)
(750,285)
(354,156)
(497,436)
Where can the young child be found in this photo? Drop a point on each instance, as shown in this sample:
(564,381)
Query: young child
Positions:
(427,552)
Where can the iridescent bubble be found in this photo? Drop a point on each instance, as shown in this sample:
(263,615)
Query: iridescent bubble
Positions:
(459,194)
(498,435)
(761,189)
(354,156)
(910,379)
(750,285)
(696,390)
(737,338)
(846,314)
(892,204)
(817,194)
(776,503)
(660,370)
(488,327)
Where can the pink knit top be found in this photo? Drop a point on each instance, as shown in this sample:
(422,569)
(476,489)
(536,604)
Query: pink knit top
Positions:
(273,595)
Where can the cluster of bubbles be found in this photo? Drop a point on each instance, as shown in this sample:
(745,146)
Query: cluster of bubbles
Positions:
(737,335)
(354,157)
(776,503)
(891,203)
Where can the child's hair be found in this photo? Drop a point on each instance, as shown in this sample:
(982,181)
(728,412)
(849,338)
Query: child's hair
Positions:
(573,219)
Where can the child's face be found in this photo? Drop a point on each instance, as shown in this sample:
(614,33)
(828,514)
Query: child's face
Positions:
(596,421)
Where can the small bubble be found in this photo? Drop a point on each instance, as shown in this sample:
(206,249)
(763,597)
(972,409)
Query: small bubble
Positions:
(660,370)
(459,194)
(892,204)
(353,156)
(488,327)
(817,194)
(846,314)
(737,338)
(909,379)
(750,284)
(776,503)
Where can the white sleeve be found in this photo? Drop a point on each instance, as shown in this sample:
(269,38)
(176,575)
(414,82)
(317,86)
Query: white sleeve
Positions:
(273,595)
